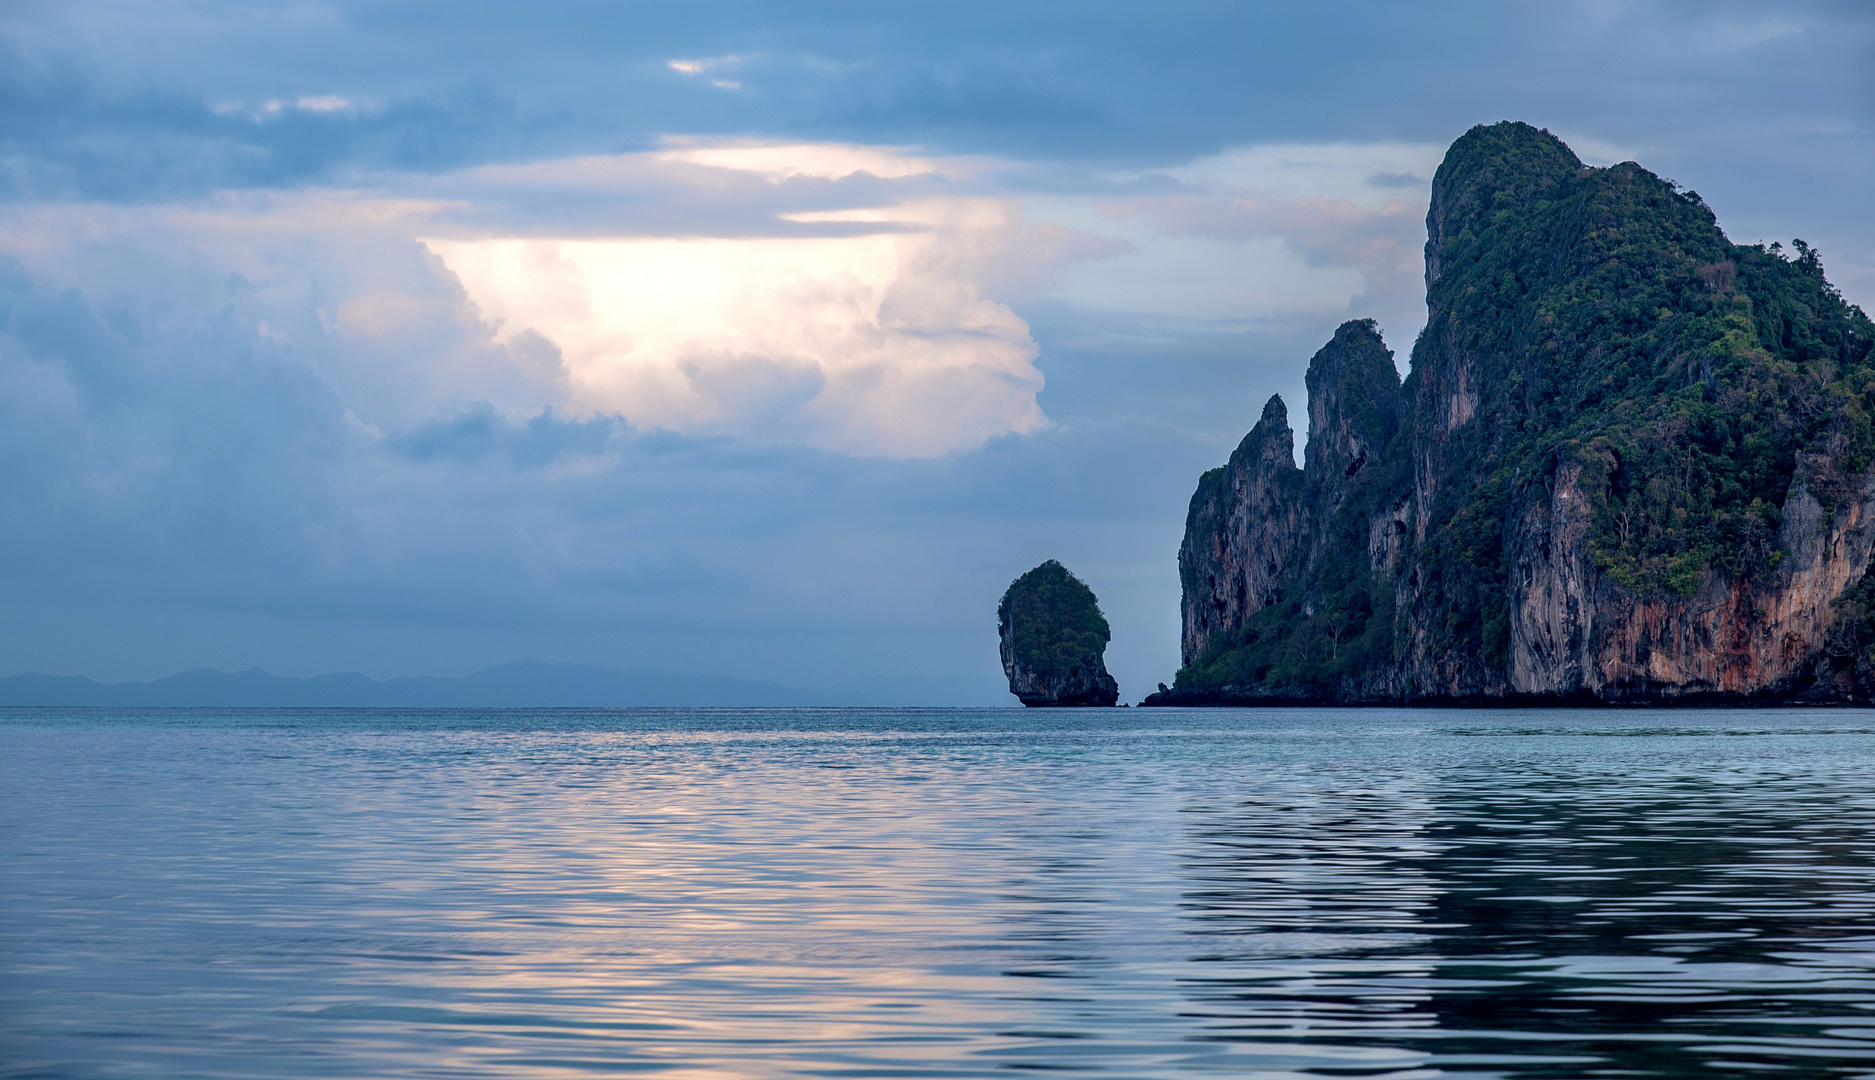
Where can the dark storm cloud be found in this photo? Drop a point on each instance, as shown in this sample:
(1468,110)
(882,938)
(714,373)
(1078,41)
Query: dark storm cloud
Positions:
(69,133)
(116,101)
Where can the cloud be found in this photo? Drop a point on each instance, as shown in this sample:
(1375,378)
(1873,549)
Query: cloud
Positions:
(1603,12)
(878,343)
(332,284)
(282,413)
(161,439)
(322,103)
(1265,232)
(717,63)
(274,108)
(1366,174)
(846,298)
(481,433)
(1383,243)
(777,160)
(704,66)
(852,299)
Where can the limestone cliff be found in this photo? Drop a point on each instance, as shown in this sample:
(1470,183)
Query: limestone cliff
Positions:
(1053,640)
(1245,521)
(1573,633)
(1633,462)
(1260,520)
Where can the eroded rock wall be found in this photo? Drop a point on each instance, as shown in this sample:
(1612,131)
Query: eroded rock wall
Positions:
(1241,532)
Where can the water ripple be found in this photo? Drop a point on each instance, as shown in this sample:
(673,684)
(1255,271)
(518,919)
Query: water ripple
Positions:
(691,893)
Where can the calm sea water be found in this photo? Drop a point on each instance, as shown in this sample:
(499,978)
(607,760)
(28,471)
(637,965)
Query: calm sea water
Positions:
(694,893)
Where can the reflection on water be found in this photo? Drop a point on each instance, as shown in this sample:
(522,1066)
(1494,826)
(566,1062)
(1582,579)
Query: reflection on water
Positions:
(770,893)
(1544,921)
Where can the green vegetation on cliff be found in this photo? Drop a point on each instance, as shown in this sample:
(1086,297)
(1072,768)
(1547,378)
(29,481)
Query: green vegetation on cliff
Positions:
(1342,622)
(1609,323)
(1581,318)
(1054,621)
(1686,371)
(1053,638)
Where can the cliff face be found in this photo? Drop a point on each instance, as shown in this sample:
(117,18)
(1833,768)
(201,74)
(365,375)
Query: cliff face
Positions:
(1632,462)
(1245,522)
(1574,633)
(1054,639)
(1260,521)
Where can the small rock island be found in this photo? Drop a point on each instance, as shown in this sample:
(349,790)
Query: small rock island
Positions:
(1054,639)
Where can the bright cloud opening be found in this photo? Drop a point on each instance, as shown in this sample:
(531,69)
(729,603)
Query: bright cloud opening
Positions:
(875,344)
(781,160)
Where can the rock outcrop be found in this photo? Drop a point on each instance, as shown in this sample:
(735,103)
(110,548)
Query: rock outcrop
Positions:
(1054,639)
(1259,519)
(1634,462)
(1245,520)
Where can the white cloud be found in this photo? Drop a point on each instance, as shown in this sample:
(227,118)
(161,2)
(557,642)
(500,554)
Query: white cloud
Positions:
(843,297)
(1267,231)
(789,293)
(781,160)
(820,294)
(323,103)
(880,343)
(276,107)
(705,66)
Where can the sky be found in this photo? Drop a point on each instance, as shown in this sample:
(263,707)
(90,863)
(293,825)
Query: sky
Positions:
(769,340)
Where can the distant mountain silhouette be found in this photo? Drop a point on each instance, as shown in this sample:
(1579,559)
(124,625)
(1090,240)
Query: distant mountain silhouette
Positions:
(521,684)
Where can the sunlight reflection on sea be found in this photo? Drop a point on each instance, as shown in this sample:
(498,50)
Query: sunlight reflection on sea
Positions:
(759,893)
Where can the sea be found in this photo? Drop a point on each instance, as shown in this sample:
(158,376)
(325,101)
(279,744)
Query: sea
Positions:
(691,893)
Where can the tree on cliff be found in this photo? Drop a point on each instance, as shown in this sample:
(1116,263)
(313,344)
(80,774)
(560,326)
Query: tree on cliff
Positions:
(1053,640)
(1633,460)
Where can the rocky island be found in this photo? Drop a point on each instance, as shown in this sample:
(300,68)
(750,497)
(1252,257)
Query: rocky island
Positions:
(1631,463)
(1054,640)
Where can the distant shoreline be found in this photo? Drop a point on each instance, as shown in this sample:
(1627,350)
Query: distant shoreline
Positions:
(522,684)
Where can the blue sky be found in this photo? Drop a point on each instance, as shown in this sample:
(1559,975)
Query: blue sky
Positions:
(756,339)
